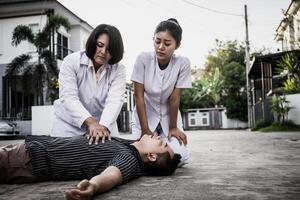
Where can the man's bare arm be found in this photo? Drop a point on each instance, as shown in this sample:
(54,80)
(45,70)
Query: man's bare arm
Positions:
(101,183)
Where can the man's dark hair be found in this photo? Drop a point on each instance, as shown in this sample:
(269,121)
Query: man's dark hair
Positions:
(173,27)
(163,166)
(115,46)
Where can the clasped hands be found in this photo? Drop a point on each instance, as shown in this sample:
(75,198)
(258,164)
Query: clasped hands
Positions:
(96,132)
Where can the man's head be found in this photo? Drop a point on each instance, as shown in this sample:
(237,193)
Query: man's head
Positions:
(158,157)
(164,165)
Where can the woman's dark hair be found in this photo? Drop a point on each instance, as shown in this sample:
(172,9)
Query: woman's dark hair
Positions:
(173,27)
(115,46)
(163,166)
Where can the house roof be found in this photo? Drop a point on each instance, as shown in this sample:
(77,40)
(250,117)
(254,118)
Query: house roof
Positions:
(255,67)
(16,1)
(10,2)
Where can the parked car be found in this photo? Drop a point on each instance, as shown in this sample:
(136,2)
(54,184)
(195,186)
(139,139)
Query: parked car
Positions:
(8,128)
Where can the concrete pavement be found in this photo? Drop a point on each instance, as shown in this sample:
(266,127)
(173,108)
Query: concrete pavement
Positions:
(230,164)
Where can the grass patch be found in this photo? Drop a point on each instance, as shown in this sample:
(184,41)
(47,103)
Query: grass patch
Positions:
(287,126)
(261,124)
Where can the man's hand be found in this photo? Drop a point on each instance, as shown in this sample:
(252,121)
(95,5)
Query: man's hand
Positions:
(103,182)
(84,191)
(96,131)
(177,133)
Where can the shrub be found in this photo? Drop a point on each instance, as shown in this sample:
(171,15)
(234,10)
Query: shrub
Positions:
(291,86)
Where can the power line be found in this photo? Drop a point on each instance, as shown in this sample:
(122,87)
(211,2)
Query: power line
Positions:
(160,6)
(213,10)
(174,13)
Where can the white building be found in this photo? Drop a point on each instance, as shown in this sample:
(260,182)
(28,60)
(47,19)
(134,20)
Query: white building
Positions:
(288,31)
(34,13)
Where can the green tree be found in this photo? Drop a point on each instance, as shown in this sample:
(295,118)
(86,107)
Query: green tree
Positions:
(209,86)
(45,70)
(289,66)
(224,53)
(224,80)
(195,97)
(235,91)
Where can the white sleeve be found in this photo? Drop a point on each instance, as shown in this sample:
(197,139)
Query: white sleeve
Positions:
(184,77)
(115,98)
(68,92)
(138,74)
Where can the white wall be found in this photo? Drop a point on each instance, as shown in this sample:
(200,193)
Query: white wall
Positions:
(294,113)
(1,38)
(232,123)
(78,37)
(9,52)
(74,40)
(24,127)
(79,30)
(42,120)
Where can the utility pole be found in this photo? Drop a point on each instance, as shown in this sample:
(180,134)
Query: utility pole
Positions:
(247,61)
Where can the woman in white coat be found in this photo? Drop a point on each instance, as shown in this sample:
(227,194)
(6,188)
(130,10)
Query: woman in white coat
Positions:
(91,88)
(158,79)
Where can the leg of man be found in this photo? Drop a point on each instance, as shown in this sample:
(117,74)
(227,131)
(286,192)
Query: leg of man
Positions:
(15,166)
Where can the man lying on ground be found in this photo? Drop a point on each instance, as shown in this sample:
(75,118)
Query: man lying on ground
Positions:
(102,166)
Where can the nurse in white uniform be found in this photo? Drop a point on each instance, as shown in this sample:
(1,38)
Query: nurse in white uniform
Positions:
(91,88)
(158,79)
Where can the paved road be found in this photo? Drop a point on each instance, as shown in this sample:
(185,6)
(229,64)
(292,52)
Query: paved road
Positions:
(224,165)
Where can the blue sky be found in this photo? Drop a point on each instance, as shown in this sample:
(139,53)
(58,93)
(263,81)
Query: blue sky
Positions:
(202,21)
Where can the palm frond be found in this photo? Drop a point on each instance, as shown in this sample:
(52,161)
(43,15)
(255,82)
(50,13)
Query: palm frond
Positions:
(17,64)
(50,62)
(27,81)
(55,22)
(28,70)
(20,33)
(46,70)
(40,74)
(40,71)
(288,63)
(42,40)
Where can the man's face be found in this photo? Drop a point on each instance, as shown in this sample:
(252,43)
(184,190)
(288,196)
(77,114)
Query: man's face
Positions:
(154,144)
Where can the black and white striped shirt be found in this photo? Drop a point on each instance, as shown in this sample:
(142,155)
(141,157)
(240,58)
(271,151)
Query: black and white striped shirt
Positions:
(61,159)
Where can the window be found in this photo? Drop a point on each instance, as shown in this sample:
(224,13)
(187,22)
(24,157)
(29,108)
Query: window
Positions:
(192,121)
(298,33)
(204,121)
(204,118)
(35,29)
(62,46)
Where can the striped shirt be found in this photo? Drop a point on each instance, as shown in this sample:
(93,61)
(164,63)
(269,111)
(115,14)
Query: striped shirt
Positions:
(61,159)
